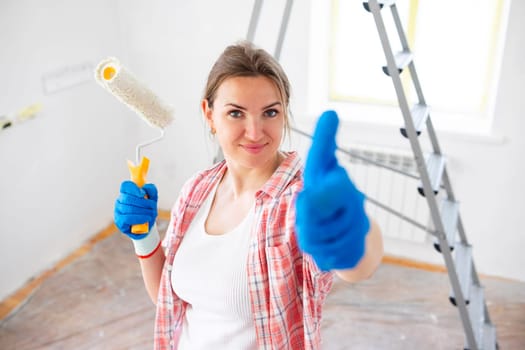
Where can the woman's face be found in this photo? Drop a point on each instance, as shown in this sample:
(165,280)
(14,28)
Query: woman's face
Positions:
(249,120)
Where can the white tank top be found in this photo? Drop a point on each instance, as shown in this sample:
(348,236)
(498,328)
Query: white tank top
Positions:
(210,274)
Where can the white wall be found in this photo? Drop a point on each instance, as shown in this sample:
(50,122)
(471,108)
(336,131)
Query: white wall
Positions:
(492,180)
(61,171)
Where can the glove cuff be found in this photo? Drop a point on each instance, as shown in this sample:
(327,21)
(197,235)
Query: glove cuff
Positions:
(144,248)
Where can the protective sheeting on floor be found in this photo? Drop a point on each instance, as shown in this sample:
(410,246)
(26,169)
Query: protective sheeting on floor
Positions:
(99,302)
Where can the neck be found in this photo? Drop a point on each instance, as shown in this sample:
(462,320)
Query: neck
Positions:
(242,181)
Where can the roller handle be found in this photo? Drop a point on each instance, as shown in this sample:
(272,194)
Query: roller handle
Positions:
(138,176)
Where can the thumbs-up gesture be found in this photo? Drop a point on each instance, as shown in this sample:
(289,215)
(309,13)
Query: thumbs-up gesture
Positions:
(330,218)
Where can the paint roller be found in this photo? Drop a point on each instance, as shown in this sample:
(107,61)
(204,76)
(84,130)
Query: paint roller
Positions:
(122,84)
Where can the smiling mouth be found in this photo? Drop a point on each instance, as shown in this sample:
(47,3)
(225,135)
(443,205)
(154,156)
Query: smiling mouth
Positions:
(253,148)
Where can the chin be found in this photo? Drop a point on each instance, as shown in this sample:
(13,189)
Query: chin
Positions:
(256,161)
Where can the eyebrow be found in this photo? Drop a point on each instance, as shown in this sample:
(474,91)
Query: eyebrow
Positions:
(244,108)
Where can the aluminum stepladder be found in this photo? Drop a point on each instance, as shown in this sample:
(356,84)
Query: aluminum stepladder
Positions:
(466,290)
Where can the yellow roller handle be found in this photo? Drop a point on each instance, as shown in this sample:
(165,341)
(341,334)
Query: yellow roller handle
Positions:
(138,176)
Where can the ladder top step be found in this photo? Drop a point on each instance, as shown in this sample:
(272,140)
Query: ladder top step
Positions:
(387,2)
(380,2)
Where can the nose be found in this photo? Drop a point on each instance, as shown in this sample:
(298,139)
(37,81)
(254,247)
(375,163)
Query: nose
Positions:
(253,129)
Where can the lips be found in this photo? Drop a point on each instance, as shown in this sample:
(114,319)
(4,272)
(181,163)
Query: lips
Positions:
(253,148)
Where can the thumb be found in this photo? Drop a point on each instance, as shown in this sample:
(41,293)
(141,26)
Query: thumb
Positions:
(321,156)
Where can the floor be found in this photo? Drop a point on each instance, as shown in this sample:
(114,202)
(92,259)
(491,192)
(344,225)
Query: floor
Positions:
(98,302)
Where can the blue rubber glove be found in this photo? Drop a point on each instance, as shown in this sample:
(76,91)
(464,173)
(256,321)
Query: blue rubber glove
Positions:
(331,221)
(131,207)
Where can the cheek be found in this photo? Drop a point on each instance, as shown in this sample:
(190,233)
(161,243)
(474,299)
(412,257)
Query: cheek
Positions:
(278,131)
(229,134)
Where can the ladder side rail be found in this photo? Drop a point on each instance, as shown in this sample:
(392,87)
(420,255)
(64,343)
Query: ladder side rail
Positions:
(434,142)
(415,78)
(463,238)
(421,165)
(416,83)
(462,235)
(254,20)
(405,45)
(433,138)
(476,281)
(419,158)
(450,195)
(399,27)
(447,185)
(453,275)
(282,30)
(460,228)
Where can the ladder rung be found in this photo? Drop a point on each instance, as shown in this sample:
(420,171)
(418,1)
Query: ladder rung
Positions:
(476,311)
(381,4)
(489,337)
(403,59)
(435,167)
(419,113)
(449,215)
(463,263)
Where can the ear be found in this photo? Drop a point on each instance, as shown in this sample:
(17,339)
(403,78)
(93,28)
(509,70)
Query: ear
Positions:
(207,112)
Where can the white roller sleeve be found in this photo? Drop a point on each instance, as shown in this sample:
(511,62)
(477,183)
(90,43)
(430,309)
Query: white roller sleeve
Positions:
(122,84)
(146,246)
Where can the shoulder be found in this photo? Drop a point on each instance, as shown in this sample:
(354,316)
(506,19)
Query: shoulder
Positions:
(203,180)
(196,188)
(287,178)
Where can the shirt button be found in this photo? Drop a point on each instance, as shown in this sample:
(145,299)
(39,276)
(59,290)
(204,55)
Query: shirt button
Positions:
(172,343)
(169,267)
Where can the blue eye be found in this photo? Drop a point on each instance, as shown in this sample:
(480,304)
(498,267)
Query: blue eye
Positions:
(235,113)
(271,113)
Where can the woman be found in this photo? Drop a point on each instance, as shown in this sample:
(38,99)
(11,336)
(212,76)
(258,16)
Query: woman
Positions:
(253,243)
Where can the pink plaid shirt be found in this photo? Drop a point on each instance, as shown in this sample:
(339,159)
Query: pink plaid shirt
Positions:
(287,289)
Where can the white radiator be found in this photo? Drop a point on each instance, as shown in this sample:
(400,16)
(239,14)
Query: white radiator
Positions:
(391,189)
(394,190)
